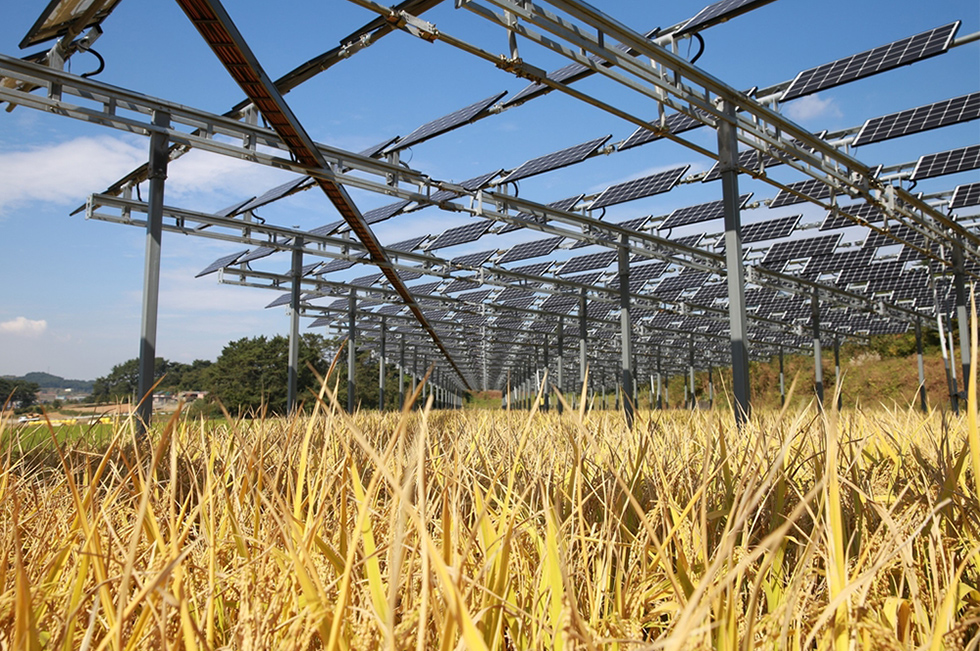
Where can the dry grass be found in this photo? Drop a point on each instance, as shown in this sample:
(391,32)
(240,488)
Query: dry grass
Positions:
(489,530)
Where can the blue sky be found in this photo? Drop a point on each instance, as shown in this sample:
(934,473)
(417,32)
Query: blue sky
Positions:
(70,299)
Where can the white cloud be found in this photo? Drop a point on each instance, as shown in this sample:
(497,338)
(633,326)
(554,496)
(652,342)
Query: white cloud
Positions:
(810,107)
(66,173)
(24,327)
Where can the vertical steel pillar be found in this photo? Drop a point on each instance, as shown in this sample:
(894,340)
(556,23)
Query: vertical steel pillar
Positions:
(546,397)
(837,387)
(351,348)
(782,379)
(728,165)
(415,369)
(690,367)
(508,390)
(711,389)
(401,371)
(660,379)
(921,365)
(381,369)
(959,290)
(297,276)
(583,330)
(817,352)
(626,329)
(157,174)
(561,361)
(954,387)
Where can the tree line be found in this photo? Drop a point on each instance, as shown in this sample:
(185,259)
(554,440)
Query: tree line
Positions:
(251,374)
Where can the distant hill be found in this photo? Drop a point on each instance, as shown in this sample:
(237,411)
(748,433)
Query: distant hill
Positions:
(48,381)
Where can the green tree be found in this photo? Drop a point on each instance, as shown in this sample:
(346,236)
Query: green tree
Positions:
(122,382)
(17,392)
(252,372)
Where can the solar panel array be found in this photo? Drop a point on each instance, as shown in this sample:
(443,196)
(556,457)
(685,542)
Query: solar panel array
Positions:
(770,229)
(531,250)
(947,162)
(562,204)
(599,260)
(638,188)
(781,252)
(461,234)
(674,123)
(277,193)
(922,118)
(718,12)
(221,263)
(813,188)
(965,195)
(914,48)
(446,123)
(702,212)
(556,160)
(865,211)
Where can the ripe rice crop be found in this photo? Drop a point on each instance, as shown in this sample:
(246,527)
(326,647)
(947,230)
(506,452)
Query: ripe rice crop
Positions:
(495,530)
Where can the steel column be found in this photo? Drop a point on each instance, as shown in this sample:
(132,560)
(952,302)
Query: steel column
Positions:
(817,352)
(351,344)
(158,159)
(561,362)
(401,371)
(921,365)
(690,367)
(381,369)
(837,386)
(297,275)
(959,289)
(728,165)
(547,361)
(582,334)
(626,329)
(782,379)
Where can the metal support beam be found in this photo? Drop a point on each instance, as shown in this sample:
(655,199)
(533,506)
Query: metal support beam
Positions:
(158,160)
(561,362)
(837,386)
(294,309)
(782,379)
(728,165)
(351,348)
(401,371)
(921,365)
(382,363)
(626,330)
(690,367)
(660,379)
(547,404)
(583,330)
(954,387)
(963,321)
(817,352)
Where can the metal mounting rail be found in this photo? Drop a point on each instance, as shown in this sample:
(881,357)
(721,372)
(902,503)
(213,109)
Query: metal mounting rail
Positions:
(216,27)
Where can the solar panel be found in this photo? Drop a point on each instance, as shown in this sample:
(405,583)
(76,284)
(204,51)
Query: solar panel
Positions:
(770,229)
(930,43)
(221,263)
(675,285)
(590,278)
(635,224)
(327,229)
(473,259)
(813,188)
(716,13)
(374,150)
(536,269)
(424,288)
(533,249)
(513,292)
(689,240)
(61,15)
(408,275)
(862,274)
(475,297)
(336,265)
(922,118)
(639,188)
(473,184)
(234,208)
(839,261)
(258,253)
(446,123)
(556,160)
(866,211)
(407,245)
(384,212)
(562,204)
(282,299)
(561,303)
(366,281)
(277,193)
(461,234)
(599,260)
(965,195)
(459,285)
(947,162)
(308,269)
(877,239)
(806,248)
(700,213)
(673,123)
(521,303)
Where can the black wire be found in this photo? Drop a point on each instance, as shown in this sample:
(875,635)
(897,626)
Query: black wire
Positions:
(700,51)
(97,70)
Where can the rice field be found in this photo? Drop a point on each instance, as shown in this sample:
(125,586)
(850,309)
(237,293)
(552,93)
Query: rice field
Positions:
(498,530)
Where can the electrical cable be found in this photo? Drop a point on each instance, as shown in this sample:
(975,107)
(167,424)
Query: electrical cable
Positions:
(101,67)
(701,50)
